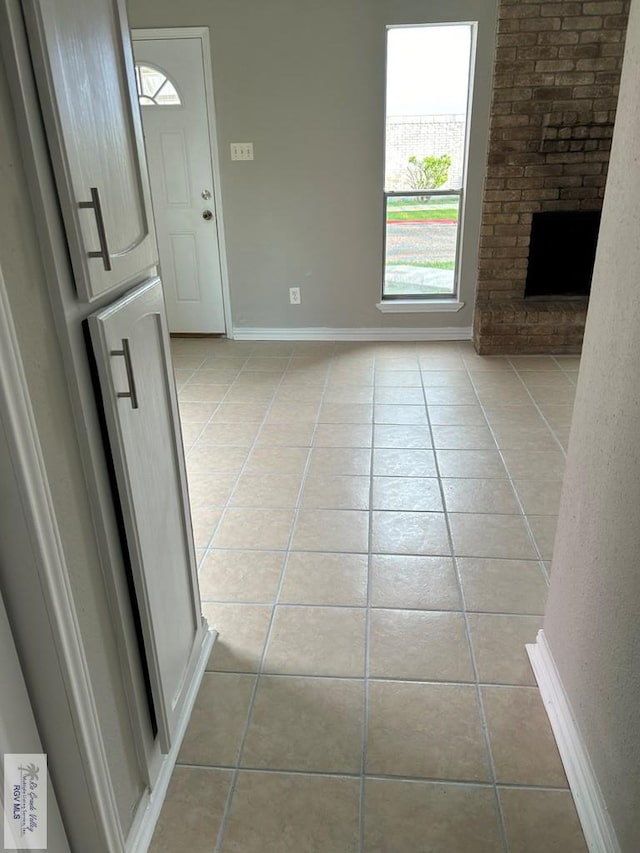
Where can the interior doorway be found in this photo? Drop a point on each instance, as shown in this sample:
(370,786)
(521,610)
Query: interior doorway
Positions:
(427,116)
(173,75)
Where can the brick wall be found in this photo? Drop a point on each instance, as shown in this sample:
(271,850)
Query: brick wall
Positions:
(556,78)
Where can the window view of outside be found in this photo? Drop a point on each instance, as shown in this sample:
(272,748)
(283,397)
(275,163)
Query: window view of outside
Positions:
(426,114)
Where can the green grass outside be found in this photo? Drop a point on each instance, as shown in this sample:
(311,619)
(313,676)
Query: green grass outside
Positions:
(422,214)
(435,265)
(417,201)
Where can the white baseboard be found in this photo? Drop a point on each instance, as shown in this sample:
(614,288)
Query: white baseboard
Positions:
(149,810)
(590,805)
(376,333)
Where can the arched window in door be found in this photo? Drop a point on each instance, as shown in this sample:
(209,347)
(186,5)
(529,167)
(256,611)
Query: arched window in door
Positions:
(155,89)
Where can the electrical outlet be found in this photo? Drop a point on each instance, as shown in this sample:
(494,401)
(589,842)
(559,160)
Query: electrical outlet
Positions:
(242,150)
(294,295)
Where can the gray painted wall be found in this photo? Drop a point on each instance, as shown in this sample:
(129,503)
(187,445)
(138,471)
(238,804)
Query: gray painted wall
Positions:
(591,622)
(42,359)
(305,81)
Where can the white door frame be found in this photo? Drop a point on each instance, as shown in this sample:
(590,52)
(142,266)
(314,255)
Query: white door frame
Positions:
(202,33)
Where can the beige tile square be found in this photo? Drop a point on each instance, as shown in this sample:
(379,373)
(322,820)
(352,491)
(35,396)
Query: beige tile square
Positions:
(264,529)
(345,413)
(317,641)
(543,528)
(331,530)
(332,491)
(394,395)
(432,731)
(393,462)
(398,378)
(210,489)
(240,435)
(418,494)
(539,497)
(192,393)
(409,533)
(488,535)
(524,750)
(204,520)
(299,394)
(206,376)
(215,730)
(312,724)
(192,810)
(415,436)
(267,491)
(225,362)
(451,397)
(463,438)
(250,576)
(470,463)
(277,460)
(535,464)
(423,583)
(456,416)
(498,644)
(196,412)
(503,586)
(534,437)
(242,633)
(286,413)
(249,394)
(276,813)
(208,459)
(418,645)
(541,820)
(478,495)
(352,394)
(340,460)
(234,413)
(190,432)
(342,435)
(387,414)
(445,378)
(314,578)
(268,364)
(418,817)
(296,435)
(186,361)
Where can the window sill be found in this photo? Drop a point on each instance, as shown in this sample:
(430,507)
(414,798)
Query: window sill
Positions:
(419,306)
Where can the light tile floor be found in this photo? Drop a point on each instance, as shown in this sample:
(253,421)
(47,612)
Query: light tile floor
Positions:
(374,525)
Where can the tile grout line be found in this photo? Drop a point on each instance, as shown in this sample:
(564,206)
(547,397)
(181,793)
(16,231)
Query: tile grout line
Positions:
(420,780)
(511,480)
(260,668)
(367,635)
(234,778)
(480,704)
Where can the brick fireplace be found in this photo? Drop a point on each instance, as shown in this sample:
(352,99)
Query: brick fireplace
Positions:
(555,91)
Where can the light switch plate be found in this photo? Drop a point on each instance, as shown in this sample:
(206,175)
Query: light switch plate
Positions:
(242,150)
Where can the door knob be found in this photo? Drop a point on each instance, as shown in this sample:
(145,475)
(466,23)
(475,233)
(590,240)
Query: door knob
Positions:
(206,214)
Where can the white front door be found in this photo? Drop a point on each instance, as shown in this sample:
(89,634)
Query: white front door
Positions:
(176,122)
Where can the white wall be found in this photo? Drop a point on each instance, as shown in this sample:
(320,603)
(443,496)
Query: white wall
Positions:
(592,621)
(305,82)
(32,315)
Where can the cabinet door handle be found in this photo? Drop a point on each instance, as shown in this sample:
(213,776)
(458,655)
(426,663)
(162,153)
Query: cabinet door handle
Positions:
(125,352)
(95,205)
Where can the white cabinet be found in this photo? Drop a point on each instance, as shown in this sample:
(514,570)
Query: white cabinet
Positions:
(130,344)
(81,52)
